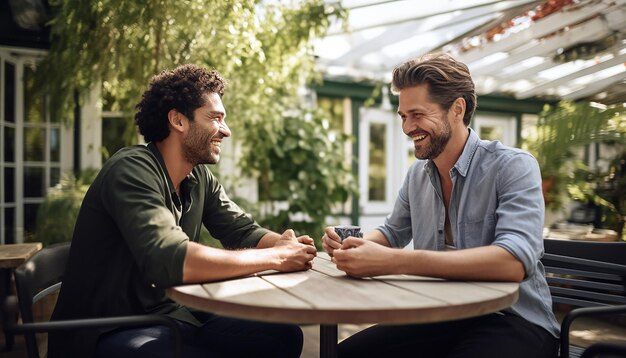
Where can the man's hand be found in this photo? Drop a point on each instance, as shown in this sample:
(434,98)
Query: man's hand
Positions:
(363,258)
(330,241)
(294,253)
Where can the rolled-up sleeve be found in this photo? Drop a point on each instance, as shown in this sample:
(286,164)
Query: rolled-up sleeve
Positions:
(520,210)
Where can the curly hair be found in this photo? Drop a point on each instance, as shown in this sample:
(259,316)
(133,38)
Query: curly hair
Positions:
(182,89)
(447,80)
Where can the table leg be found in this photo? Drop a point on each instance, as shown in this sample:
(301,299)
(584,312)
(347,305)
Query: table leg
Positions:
(328,341)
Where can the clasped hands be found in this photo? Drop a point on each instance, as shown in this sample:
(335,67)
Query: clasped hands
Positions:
(296,253)
(355,256)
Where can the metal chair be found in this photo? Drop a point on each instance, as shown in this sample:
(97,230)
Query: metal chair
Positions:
(603,349)
(579,275)
(41,276)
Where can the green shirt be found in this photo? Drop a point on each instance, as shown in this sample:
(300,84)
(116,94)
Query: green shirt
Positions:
(131,237)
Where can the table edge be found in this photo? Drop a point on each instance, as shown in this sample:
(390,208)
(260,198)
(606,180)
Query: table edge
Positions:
(332,316)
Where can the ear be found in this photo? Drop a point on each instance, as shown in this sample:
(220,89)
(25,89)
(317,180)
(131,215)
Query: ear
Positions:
(458,108)
(175,120)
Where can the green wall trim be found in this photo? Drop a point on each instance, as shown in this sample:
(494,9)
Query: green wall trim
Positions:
(356,91)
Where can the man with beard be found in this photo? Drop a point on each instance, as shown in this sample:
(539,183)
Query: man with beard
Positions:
(474,211)
(138,229)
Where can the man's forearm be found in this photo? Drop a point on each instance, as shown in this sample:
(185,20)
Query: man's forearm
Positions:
(377,237)
(268,240)
(481,263)
(203,263)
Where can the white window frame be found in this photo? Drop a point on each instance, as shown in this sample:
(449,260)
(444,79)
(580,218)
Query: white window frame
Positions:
(507,123)
(20,58)
(395,145)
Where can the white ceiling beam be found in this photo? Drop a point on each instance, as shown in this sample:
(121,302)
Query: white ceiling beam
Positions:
(391,35)
(596,86)
(418,13)
(592,30)
(541,28)
(400,32)
(617,60)
(529,72)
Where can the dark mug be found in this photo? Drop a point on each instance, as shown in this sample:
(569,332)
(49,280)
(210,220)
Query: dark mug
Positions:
(348,230)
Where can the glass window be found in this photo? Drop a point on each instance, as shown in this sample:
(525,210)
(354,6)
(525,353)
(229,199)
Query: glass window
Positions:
(491,133)
(9,92)
(34,182)
(55,144)
(33,100)
(9,185)
(55,176)
(378,164)
(9,225)
(34,144)
(9,144)
(30,217)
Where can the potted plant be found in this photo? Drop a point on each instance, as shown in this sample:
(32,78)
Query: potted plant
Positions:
(562,133)
(604,187)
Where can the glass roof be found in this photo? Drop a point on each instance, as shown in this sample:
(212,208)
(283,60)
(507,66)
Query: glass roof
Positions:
(558,49)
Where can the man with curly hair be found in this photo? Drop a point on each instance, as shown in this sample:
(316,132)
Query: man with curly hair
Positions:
(138,229)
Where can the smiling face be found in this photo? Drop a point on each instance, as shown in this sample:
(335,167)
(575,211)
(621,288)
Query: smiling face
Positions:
(424,121)
(207,128)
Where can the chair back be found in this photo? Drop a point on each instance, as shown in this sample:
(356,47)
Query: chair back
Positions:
(37,278)
(586,274)
(614,252)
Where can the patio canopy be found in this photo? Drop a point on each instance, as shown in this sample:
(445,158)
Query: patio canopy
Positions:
(555,49)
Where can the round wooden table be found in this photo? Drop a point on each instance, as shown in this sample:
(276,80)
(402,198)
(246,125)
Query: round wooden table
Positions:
(326,296)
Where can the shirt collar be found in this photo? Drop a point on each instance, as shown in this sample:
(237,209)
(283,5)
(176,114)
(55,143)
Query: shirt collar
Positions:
(463,163)
(471,145)
(153,148)
(191,178)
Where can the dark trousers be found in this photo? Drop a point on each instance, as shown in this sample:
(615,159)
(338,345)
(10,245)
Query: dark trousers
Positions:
(494,335)
(218,337)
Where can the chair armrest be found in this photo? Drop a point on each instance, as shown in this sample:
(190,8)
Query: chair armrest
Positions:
(583,312)
(119,321)
(608,348)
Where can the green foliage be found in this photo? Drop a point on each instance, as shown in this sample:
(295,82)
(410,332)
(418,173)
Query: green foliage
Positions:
(57,214)
(263,49)
(301,162)
(606,188)
(564,129)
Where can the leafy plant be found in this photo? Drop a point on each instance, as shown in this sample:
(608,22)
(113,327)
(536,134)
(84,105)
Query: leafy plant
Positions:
(301,170)
(606,188)
(57,214)
(564,129)
(264,49)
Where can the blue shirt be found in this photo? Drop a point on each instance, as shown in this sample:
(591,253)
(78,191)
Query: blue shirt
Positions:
(496,200)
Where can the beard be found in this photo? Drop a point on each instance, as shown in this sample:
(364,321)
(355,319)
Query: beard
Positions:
(197,147)
(438,141)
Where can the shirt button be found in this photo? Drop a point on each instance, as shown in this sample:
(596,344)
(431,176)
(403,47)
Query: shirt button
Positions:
(440,231)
